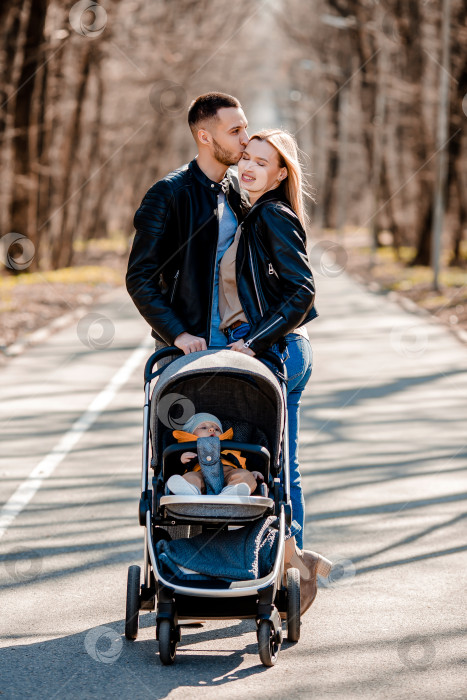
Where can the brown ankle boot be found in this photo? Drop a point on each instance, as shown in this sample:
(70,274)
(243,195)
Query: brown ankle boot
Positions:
(309,564)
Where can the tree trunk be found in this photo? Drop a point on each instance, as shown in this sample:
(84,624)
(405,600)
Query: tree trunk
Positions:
(63,251)
(23,190)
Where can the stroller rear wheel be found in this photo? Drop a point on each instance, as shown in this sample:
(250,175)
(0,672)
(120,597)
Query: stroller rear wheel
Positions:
(293,605)
(132,602)
(167,642)
(269,643)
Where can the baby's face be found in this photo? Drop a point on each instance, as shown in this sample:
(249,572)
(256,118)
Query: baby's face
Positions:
(206,429)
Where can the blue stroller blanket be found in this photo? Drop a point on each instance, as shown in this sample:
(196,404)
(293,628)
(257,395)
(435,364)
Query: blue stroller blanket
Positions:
(244,554)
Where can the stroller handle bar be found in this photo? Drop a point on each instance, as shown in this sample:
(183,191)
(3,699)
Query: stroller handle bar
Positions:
(171,350)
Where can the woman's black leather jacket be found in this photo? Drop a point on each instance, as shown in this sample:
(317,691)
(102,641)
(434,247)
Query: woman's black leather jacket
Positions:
(274,279)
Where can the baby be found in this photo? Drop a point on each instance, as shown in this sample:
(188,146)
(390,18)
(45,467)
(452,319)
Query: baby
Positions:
(238,480)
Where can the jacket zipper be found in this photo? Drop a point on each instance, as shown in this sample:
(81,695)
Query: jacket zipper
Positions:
(248,342)
(174,286)
(272,271)
(254,278)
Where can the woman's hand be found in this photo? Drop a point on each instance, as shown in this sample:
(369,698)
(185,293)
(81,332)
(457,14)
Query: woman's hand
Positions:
(186,456)
(238,347)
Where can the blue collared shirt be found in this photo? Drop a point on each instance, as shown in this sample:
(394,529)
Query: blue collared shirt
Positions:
(227,227)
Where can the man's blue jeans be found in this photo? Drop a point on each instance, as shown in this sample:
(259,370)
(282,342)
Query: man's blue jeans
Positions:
(299,365)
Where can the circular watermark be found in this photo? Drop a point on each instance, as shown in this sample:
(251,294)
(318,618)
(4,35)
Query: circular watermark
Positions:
(103,644)
(389,28)
(416,652)
(88,18)
(23,564)
(173,410)
(464,104)
(409,341)
(16,251)
(96,331)
(168,98)
(328,258)
(342,572)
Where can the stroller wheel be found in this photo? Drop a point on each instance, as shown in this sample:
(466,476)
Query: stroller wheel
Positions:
(167,642)
(268,643)
(293,605)
(132,602)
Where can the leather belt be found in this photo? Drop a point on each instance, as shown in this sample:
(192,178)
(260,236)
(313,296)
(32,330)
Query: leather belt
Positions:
(235,325)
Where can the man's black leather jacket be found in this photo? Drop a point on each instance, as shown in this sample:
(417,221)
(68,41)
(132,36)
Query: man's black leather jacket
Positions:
(274,279)
(172,262)
(171,267)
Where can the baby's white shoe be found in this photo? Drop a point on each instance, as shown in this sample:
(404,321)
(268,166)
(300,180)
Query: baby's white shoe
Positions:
(181,487)
(241,489)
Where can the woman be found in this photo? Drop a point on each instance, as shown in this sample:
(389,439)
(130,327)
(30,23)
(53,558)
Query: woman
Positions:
(266,288)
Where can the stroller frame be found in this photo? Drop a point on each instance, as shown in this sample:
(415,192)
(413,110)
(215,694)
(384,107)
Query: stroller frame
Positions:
(262,599)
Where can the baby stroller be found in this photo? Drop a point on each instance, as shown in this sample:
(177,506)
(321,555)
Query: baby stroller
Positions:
(249,397)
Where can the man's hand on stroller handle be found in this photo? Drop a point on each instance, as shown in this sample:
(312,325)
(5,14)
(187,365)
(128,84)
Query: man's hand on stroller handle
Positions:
(190,343)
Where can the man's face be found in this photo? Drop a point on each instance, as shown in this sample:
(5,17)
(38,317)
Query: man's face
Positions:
(229,136)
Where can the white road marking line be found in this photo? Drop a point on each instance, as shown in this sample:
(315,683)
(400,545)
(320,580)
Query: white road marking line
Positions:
(46,466)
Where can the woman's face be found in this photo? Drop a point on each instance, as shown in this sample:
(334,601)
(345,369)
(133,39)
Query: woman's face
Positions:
(258,168)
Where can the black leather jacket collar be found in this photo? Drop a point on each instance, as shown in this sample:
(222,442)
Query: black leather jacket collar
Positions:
(216,187)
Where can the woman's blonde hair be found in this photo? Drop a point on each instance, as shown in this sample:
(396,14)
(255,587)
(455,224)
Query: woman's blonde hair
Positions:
(289,157)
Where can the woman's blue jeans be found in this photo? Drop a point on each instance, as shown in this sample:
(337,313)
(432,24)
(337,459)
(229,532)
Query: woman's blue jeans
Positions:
(299,365)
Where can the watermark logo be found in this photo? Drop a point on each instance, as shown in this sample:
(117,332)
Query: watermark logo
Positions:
(103,644)
(328,258)
(96,331)
(464,105)
(23,564)
(16,251)
(409,341)
(390,29)
(342,573)
(168,98)
(416,652)
(88,18)
(173,410)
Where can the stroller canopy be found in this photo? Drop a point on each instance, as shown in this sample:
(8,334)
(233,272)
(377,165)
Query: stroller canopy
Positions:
(238,389)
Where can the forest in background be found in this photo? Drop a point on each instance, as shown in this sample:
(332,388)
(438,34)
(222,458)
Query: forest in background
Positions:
(94,97)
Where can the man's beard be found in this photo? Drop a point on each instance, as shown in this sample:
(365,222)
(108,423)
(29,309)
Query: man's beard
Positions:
(222,155)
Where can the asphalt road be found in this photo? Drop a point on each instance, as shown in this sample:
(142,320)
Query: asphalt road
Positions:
(383,454)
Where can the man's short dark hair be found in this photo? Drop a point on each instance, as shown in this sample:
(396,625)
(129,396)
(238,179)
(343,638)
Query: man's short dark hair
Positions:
(206,106)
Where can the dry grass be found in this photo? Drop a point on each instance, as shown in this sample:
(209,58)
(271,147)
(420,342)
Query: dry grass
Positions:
(28,301)
(390,272)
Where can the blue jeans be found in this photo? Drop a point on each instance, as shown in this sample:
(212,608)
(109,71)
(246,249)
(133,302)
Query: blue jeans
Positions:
(299,365)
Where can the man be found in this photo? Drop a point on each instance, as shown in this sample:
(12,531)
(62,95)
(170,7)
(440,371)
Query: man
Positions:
(184,225)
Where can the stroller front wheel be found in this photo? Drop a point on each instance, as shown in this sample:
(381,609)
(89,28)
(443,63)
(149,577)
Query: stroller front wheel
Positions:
(132,602)
(268,643)
(293,605)
(167,642)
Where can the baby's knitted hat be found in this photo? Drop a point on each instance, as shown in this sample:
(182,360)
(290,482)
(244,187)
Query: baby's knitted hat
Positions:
(191,424)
